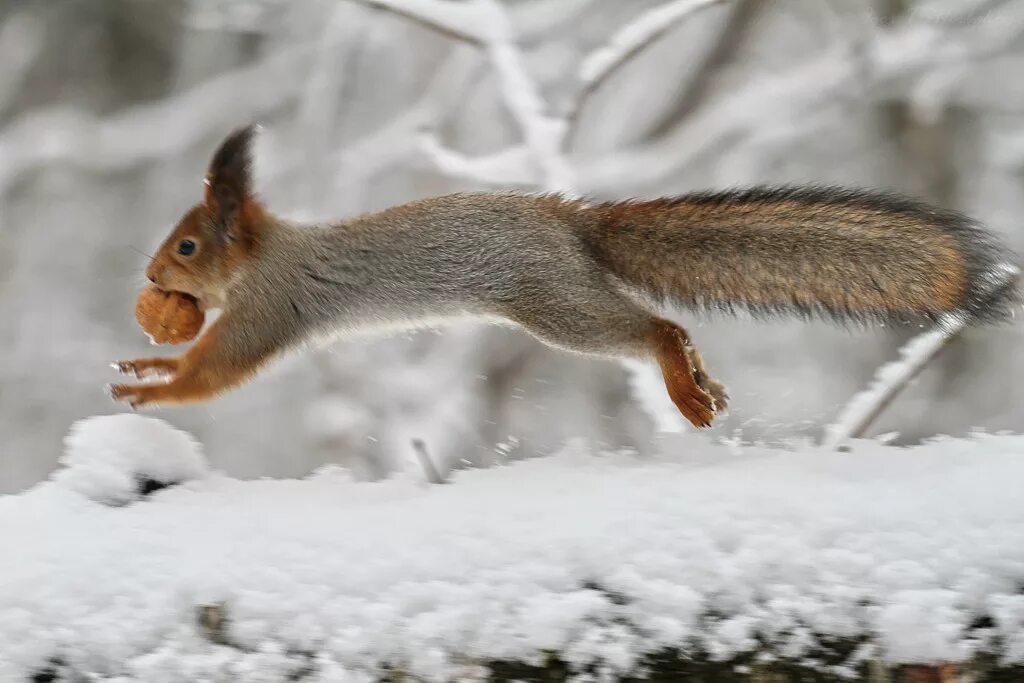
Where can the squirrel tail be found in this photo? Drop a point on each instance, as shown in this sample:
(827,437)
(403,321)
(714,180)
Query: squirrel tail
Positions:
(845,255)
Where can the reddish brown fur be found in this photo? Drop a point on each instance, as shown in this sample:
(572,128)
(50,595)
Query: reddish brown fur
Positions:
(203,372)
(781,253)
(226,229)
(696,396)
(556,267)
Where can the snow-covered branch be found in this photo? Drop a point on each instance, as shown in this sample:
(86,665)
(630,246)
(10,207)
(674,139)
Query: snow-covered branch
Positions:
(892,378)
(150,131)
(541,132)
(337,580)
(460,20)
(509,166)
(487,23)
(626,44)
(401,136)
(897,58)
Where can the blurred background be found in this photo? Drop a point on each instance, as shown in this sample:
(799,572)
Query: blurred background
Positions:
(109,110)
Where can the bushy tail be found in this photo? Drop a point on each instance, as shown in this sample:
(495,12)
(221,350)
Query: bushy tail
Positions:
(849,255)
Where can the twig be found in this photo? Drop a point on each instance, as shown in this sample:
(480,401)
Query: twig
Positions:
(456,20)
(542,134)
(399,136)
(627,43)
(486,23)
(433,476)
(21,42)
(891,379)
(722,44)
(507,166)
(145,132)
(213,623)
(894,57)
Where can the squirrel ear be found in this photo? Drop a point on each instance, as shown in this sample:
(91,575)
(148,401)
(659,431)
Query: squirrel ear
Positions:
(228,180)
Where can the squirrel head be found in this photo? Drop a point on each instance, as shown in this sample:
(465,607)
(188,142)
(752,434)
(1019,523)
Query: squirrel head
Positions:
(210,244)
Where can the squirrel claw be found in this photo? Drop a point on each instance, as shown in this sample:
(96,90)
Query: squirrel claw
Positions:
(146,368)
(719,397)
(122,366)
(712,390)
(697,396)
(126,393)
(114,391)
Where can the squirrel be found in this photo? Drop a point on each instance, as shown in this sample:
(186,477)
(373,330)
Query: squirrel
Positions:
(579,276)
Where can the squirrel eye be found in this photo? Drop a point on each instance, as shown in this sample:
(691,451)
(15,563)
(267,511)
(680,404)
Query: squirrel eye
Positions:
(186,247)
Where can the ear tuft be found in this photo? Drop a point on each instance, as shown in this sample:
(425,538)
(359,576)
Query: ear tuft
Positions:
(229,178)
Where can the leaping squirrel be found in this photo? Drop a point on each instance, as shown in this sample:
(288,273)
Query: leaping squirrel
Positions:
(578,276)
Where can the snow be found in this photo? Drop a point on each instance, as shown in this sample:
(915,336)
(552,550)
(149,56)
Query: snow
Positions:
(893,377)
(106,457)
(647,386)
(889,380)
(600,556)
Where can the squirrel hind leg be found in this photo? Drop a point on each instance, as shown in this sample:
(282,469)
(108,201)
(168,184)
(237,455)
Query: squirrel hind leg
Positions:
(698,397)
(611,326)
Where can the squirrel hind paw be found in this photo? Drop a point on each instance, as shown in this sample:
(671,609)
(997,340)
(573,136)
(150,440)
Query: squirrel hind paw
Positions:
(719,396)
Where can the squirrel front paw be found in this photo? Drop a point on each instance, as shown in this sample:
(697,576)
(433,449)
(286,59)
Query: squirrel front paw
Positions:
(144,368)
(135,395)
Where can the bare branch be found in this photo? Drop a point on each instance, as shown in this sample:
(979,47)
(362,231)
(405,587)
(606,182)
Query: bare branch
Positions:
(21,42)
(542,134)
(433,476)
(722,42)
(538,19)
(149,131)
(957,13)
(398,138)
(622,47)
(510,166)
(897,57)
(487,23)
(457,20)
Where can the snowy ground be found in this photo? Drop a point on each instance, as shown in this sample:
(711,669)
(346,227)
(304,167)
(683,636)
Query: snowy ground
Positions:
(598,557)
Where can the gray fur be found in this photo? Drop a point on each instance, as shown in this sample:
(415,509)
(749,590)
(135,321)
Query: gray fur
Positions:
(532,260)
(505,256)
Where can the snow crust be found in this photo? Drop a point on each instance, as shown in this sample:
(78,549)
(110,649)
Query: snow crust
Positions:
(601,557)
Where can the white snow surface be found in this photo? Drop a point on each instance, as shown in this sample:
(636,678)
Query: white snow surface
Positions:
(105,457)
(601,557)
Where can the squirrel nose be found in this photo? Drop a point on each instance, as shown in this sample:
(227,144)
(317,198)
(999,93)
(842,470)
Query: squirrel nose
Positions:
(151,278)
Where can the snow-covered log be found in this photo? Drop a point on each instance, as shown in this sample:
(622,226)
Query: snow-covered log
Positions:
(584,562)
